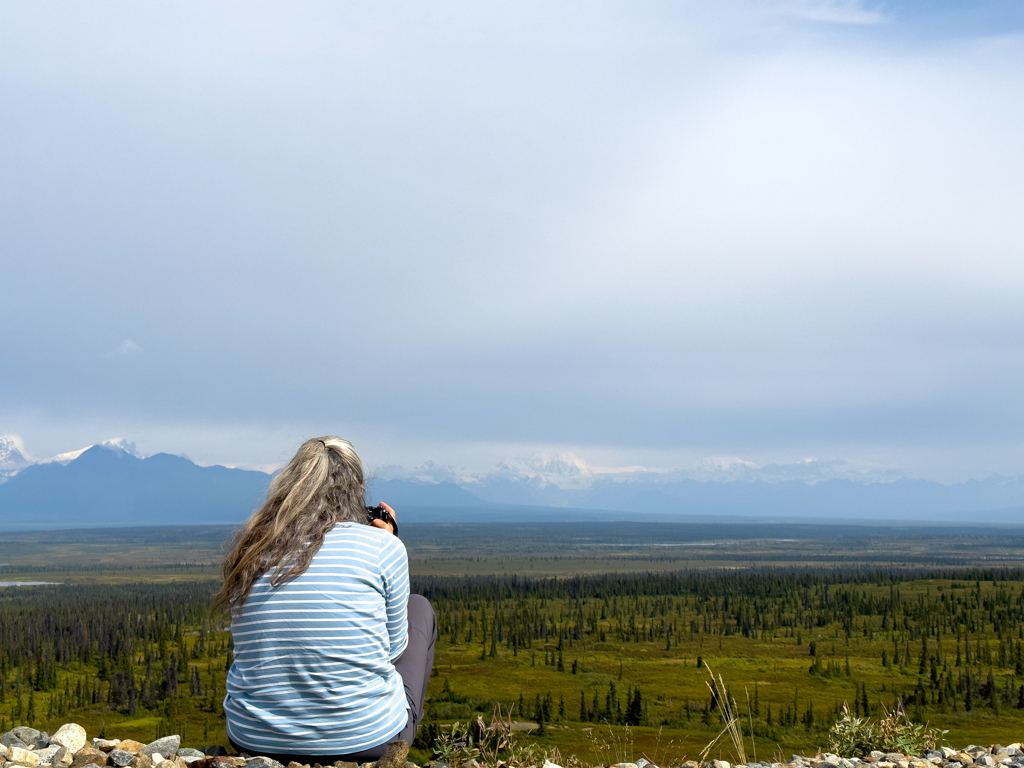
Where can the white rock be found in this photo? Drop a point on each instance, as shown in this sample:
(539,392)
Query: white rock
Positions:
(549,764)
(157,758)
(3,750)
(19,755)
(71,736)
(720,764)
(947,752)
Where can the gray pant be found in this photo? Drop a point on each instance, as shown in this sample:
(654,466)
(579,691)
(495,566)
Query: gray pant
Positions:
(414,665)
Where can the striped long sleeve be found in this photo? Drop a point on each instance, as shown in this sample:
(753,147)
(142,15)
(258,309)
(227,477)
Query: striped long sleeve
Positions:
(314,658)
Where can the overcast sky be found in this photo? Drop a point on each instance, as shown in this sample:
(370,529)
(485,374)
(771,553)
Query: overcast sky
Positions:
(646,232)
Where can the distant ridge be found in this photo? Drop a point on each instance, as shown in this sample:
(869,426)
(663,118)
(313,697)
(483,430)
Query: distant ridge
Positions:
(106,486)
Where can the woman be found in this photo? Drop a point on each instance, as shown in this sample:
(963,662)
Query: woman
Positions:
(332,656)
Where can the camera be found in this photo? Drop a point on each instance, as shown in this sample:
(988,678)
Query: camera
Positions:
(379,513)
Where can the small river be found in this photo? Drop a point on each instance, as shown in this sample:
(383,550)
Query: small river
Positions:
(27,583)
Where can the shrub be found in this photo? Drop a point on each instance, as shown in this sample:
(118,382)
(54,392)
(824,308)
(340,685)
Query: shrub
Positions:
(856,736)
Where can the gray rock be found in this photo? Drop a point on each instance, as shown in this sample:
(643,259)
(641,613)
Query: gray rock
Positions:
(51,755)
(105,745)
(167,746)
(190,755)
(932,753)
(10,740)
(262,762)
(120,758)
(28,735)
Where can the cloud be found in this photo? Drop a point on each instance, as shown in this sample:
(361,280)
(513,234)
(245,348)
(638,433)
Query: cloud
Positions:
(682,229)
(126,348)
(831,11)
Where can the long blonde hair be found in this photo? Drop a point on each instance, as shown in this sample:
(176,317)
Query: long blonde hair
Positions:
(320,486)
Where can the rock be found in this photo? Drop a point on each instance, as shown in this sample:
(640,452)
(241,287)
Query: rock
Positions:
(157,758)
(166,746)
(105,745)
(189,756)
(547,764)
(29,736)
(120,757)
(294,764)
(718,764)
(344,764)
(396,755)
(963,758)
(88,755)
(947,752)
(877,755)
(624,765)
(215,750)
(262,762)
(984,759)
(643,762)
(71,736)
(22,755)
(141,761)
(10,740)
(52,755)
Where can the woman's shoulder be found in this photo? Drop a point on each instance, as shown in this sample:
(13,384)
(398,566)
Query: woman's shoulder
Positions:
(369,534)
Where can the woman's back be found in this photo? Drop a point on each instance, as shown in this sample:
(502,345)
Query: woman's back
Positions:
(314,656)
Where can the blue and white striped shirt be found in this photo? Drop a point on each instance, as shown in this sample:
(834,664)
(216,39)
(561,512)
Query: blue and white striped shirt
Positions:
(314,658)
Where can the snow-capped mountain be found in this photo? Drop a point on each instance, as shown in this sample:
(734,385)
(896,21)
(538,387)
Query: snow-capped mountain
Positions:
(109,485)
(12,457)
(116,443)
(716,486)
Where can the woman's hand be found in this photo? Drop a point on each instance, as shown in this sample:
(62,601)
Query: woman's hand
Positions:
(386,526)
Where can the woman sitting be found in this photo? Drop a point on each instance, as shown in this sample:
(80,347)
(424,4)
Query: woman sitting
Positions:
(332,655)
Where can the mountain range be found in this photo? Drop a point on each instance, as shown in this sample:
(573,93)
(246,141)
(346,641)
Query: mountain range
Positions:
(108,485)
